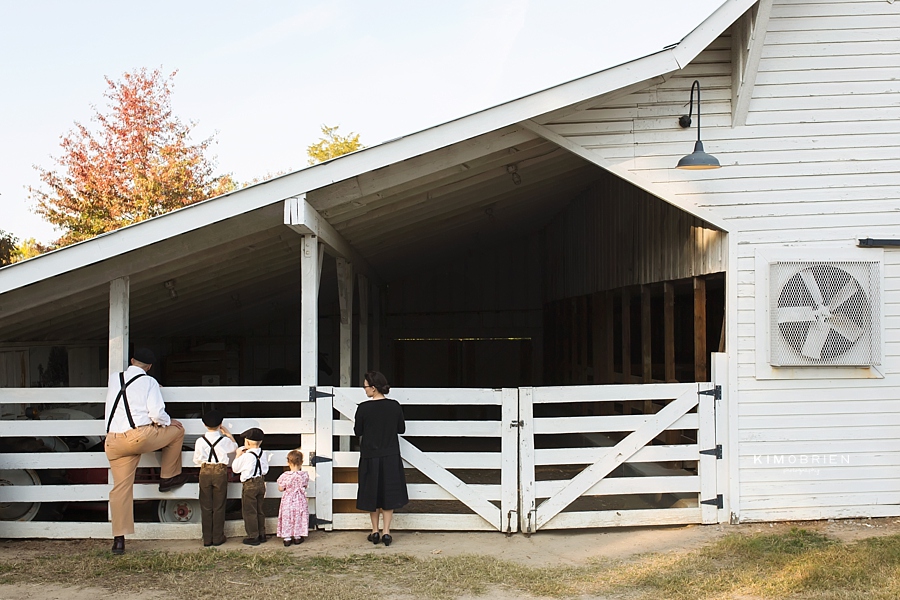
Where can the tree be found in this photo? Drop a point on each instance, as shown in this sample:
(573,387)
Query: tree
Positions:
(7,248)
(332,144)
(138,164)
(29,248)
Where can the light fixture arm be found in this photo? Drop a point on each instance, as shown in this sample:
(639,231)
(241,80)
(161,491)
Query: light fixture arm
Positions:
(685,120)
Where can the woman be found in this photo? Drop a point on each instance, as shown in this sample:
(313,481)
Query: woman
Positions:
(382,483)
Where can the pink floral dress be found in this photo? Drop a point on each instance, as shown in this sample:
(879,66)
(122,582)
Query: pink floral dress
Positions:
(293,514)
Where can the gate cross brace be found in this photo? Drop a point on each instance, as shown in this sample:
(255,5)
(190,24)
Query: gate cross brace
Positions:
(616,455)
(438,474)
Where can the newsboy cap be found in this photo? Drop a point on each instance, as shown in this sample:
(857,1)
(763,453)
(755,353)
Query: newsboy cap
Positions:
(213,418)
(254,433)
(144,355)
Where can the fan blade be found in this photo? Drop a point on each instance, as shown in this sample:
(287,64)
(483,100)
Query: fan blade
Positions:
(815,340)
(809,279)
(845,294)
(795,314)
(846,326)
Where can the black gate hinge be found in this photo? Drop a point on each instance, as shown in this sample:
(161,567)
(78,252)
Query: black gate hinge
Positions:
(717,451)
(715,392)
(316,459)
(718,502)
(315,394)
(319,521)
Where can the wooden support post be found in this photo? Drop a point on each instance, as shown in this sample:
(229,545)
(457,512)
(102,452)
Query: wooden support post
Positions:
(646,338)
(345,300)
(626,335)
(669,326)
(598,326)
(119,291)
(377,304)
(701,358)
(309,310)
(363,327)
(610,339)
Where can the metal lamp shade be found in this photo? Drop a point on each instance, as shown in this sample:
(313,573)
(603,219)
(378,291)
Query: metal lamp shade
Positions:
(698,159)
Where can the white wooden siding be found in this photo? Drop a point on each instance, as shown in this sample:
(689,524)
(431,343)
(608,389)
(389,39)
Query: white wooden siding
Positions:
(815,166)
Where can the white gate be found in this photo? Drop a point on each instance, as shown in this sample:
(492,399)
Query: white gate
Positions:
(465,484)
(603,469)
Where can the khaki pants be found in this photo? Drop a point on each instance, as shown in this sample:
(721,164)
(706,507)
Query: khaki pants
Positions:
(124,450)
(213,494)
(252,495)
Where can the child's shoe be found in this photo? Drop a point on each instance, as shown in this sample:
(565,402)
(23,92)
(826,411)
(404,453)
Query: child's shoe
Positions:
(298,540)
(287,542)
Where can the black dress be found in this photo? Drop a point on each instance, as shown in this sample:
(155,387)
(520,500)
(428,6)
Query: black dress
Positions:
(382,482)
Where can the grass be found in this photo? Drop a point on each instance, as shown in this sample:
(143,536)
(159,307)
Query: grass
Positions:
(798,564)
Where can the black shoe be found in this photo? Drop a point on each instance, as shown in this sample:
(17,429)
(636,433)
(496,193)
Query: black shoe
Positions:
(387,539)
(298,540)
(287,542)
(220,542)
(171,483)
(263,539)
(251,541)
(118,546)
(374,537)
(207,544)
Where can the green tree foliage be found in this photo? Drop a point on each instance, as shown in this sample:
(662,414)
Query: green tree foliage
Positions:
(332,144)
(137,163)
(29,248)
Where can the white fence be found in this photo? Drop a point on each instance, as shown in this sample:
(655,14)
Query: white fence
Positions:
(75,464)
(477,459)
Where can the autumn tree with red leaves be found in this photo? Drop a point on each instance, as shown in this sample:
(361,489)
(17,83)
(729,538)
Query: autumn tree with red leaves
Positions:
(138,164)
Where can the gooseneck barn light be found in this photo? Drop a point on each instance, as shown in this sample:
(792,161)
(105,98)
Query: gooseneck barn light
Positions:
(698,159)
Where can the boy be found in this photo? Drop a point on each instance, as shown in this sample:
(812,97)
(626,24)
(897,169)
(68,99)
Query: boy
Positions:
(250,461)
(213,452)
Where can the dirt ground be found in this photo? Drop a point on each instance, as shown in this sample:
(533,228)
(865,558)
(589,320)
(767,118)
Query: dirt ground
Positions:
(541,549)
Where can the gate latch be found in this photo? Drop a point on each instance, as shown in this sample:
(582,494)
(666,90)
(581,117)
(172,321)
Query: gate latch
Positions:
(517,424)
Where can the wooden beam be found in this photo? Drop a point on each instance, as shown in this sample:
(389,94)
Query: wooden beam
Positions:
(669,327)
(363,327)
(118,324)
(623,172)
(701,357)
(309,311)
(432,166)
(345,300)
(646,338)
(752,34)
(626,335)
(300,216)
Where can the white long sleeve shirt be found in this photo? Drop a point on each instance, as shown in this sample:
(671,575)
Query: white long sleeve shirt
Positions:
(224,449)
(144,400)
(245,464)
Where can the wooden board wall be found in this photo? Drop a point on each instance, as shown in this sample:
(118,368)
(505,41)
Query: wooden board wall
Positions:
(617,235)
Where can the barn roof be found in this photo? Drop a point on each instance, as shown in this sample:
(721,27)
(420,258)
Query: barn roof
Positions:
(382,197)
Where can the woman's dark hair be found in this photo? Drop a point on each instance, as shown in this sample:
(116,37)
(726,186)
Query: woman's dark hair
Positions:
(378,381)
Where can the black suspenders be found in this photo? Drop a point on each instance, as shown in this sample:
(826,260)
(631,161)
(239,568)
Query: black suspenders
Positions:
(213,457)
(258,470)
(124,398)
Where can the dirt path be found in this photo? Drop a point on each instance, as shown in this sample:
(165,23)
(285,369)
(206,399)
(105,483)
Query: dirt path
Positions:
(542,549)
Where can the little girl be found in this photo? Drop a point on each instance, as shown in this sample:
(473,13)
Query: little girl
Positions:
(293,514)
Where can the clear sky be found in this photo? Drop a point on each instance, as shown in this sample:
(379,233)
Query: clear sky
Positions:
(267,75)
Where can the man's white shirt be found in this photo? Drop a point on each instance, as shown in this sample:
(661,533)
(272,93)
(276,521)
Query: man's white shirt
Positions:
(144,399)
(224,449)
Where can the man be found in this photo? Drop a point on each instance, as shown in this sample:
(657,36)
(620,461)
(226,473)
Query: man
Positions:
(137,423)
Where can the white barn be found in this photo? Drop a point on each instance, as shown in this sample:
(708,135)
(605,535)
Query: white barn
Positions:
(555,301)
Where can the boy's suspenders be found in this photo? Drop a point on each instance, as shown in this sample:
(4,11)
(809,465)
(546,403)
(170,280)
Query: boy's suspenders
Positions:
(258,470)
(213,457)
(123,396)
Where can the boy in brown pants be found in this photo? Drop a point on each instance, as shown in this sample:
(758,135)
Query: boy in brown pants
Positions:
(213,452)
(250,461)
